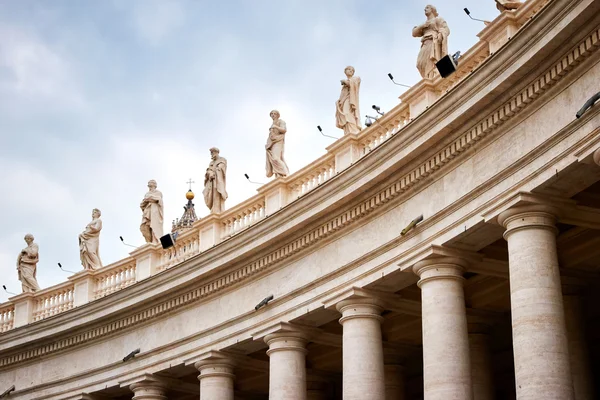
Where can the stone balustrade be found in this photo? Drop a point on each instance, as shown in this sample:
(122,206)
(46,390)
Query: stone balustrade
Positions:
(150,259)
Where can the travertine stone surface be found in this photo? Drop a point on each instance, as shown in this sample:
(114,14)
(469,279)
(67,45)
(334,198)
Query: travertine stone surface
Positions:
(276,164)
(394,382)
(446,365)
(540,346)
(481,366)
(89,242)
(148,390)
(347,110)
(152,214)
(287,365)
(578,348)
(215,182)
(596,156)
(363,373)
(434,42)
(216,378)
(27,265)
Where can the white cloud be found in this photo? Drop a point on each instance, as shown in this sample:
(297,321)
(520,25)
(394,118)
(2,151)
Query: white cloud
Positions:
(154,20)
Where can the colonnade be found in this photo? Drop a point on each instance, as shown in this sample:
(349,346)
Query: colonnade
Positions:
(549,352)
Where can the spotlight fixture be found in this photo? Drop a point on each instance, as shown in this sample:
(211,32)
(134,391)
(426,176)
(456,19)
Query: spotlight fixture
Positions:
(412,224)
(264,302)
(447,65)
(369,120)
(168,240)
(4,287)
(123,241)
(321,130)
(399,84)
(588,104)
(474,19)
(7,392)
(256,183)
(65,270)
(378,109)
(131,355)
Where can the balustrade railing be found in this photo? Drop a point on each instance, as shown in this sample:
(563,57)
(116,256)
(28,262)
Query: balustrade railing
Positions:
(186,246)
(243,216)
(114,277)
(53,301)
(309,178)
(7,317)
(384,128)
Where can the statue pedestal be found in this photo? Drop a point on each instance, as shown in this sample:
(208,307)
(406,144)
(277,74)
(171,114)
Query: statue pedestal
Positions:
(500,30)
(346,151)
(210,231)
(146,260)
(276,195)
(24,304)
(420,97)
(83,291)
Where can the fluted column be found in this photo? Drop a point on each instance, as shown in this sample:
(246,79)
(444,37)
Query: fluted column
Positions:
(149,390)
(216,377)
(287,365)
(362,352)
(578,349)
(481,363)
(540,345)
(446,365)
(394,382)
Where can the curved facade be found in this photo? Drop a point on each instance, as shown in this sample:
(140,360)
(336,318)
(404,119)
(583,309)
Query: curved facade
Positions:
(491,296)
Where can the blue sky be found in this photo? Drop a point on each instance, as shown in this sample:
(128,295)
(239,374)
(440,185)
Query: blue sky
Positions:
(98,97)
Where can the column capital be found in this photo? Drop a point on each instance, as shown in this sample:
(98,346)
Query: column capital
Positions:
(215,363)
(287,341)
(440,268)
(529,216)
(149,387)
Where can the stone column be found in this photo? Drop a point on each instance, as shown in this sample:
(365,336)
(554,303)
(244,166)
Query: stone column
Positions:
(578,349)
(394,382)
(149,390)
(481,363)
(540,346)
(216,378)
(596,156)
(287,365)
(446,365)
(363,373)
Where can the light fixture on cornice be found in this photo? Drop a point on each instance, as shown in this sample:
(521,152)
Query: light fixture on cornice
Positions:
(168,240)
(256,183)
(321,130)
(369,120)
(4,286)
(264,302)
(65,270)
(123,241)
(588,104)
(412,224)
(447,65)
(475,19)
(131,355)
(7,392)
(395,83)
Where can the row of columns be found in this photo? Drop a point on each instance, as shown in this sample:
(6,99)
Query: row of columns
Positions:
(456,363)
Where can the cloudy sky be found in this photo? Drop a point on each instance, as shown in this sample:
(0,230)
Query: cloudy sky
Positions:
(98,97)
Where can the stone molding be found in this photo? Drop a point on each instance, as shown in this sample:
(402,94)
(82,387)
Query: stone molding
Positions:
(482,129)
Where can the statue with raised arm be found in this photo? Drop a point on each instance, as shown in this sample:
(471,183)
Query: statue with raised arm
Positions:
(347,113)
(152,214)
(215,192)
(89,242)
(434,42)
(27,265)
(275,143)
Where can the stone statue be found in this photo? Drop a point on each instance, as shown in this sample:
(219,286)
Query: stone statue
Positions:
(89,242)
(27,265)
(347,113)
(275,162)
(434,42)
(215,192)
(503,5)
(152,214)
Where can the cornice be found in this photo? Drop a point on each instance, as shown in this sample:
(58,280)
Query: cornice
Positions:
(484,128)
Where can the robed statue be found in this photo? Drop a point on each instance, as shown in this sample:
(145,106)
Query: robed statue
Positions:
(434,42)
(347,113)
(27,265)
(89,242)
(152,214)
(275,143)
(215,192)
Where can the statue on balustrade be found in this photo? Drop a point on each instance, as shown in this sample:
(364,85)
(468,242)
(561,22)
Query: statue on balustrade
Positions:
(275,143)
(434,42)
(215,192)
(152,214)
(27,265)
(347,113)
(89,242)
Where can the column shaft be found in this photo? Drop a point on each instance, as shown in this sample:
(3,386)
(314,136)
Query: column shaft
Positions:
(362,353)
(287,366)
(481,366)
(540,344)
(446,364)
(578,349)
(216,379)
(394,382)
